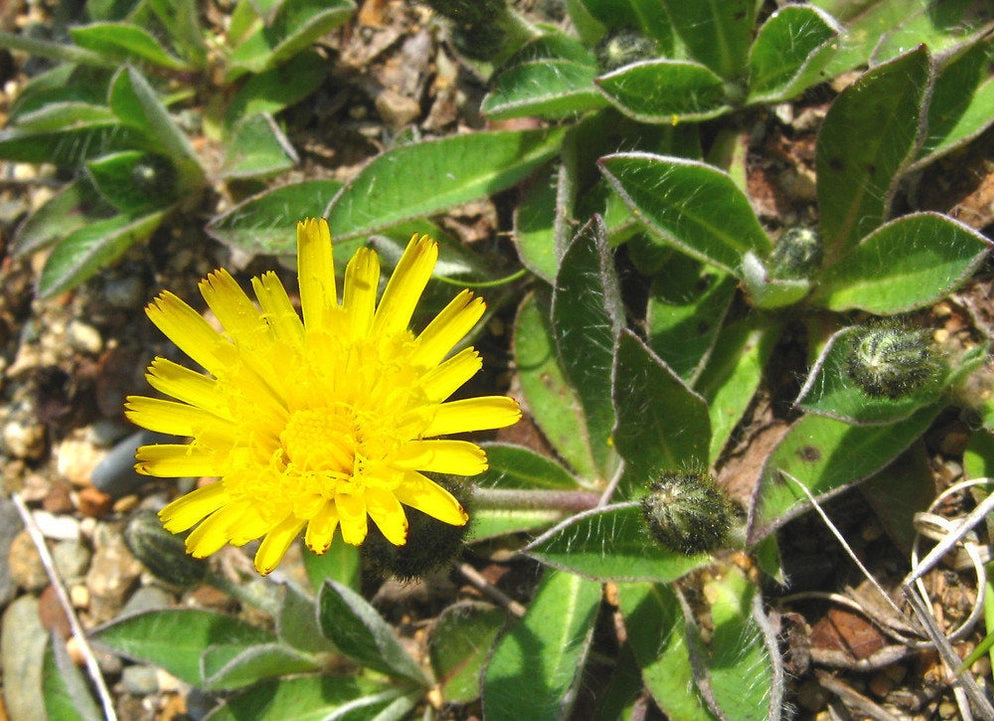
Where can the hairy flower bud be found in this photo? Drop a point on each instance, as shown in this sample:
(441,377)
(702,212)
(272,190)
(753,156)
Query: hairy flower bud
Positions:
(797,255)
(621,47)
(431,543)
(163,553)
(479,27)
(890,360)
(687,512)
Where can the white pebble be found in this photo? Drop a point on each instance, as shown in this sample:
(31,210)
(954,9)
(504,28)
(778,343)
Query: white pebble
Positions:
(84,337)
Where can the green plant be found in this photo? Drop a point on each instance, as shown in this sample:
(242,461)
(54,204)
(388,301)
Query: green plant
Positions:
(97,115)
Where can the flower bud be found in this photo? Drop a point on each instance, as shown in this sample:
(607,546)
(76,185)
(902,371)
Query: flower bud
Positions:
(621,47)
(431,543)
(154,175)
(687,512)
(479,28)
(890,360)
(797,254)
(163,553)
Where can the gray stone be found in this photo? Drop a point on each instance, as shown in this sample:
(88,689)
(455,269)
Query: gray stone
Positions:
(22,646)
(10,526)
(148,598)
(113,573)
(139,680)
(72,560)
(24,564)
(115,475)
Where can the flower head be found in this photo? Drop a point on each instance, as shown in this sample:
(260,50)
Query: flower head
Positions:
(318,423)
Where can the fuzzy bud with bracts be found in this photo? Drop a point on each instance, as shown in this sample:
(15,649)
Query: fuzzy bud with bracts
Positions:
(431,544)
(687,512)
(622,47)
(891,360)
(797,255)
(163,553)
(154,175)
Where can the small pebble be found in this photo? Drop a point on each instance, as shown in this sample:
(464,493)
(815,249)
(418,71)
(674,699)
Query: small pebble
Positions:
(52,615)
(106,432)
(58,528)
(947,709)
(94,503)
(24,439)
(72,559)
(79,596)
(115,475)
(126,292)
(128,503)
(113,573)
(148,598)
(397,110)
(76,458)
(139,680)
(84,338)
(75,651)
(24,564)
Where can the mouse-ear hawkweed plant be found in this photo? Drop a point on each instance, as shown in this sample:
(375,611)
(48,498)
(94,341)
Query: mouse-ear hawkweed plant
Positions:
(316,423)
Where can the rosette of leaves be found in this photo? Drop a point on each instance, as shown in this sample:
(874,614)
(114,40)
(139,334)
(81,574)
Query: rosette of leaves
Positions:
(103,114)
(679,61)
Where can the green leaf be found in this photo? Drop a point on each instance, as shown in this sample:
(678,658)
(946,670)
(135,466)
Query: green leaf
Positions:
(423,178)
(959,109)
(278,88)
(61,84)
(297,620)
(733,373)
(488,523)
(513,466)
(550,400)
(360,633)
(780,56)
(92,248)
(229,667)
(657,634)
(611,544)
(827,456)
(692,205)
(66,134)
(978,458)
(665,91)
(829,390)
(125,42)
(339,563)
(308,698)
(182,22)
(716,32)
(459,646)
(73,207)
(662,424)
(134,182)
(134,101)
(687,304)
(265,223)
(743,673)
(587,316)
(176,638)
(535,667)
(549,88)
(257,149)
(534,224)
(295,26)
(858,171)
(908,263)
(63,687)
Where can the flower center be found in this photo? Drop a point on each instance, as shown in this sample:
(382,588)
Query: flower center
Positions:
(324,440)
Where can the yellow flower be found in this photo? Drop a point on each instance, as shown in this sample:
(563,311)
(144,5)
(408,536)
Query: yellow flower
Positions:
(318,423)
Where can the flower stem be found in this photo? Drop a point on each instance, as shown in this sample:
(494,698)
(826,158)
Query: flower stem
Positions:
(520,499)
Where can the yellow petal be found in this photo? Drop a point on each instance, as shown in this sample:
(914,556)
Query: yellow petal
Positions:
(419,492)
(321,528)
(448,328)
(188,330)
(473,414)
(178,419)
(387,514)
(352,516)
(213,534)
(362,278)
(187,386)
(250,526)
(278,310)
(461,458)
(235,311)
(405,286)
(190,509)
(315,272)
(275,544)
(443,380)
(178,460)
